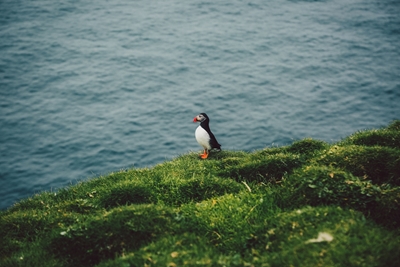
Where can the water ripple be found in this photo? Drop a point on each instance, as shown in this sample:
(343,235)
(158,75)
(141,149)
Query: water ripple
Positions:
(93,87)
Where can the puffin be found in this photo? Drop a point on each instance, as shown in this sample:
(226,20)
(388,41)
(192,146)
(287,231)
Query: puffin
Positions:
(204,136)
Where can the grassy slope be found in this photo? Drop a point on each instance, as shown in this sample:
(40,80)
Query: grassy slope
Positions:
(265,208)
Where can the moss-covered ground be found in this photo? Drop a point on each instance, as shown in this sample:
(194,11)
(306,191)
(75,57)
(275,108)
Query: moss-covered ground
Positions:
(307,204)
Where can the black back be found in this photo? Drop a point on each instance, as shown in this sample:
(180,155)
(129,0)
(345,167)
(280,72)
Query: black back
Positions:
(205,124)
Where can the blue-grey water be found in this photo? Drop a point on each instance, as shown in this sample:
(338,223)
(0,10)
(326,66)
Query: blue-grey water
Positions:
(95,86)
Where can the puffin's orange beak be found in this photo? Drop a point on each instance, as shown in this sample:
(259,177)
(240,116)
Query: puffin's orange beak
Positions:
(195,119)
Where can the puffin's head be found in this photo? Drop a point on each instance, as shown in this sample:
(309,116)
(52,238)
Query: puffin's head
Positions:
(201,117)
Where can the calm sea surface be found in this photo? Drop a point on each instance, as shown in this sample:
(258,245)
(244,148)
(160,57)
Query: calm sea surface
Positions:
(95,86)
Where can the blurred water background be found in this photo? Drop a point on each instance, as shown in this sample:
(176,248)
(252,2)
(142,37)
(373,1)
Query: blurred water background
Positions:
(95,86)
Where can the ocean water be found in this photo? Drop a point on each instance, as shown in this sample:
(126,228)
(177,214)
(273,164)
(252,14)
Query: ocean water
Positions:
(91,87)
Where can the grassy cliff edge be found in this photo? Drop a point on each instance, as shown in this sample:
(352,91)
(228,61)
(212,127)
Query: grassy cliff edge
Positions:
(307,204)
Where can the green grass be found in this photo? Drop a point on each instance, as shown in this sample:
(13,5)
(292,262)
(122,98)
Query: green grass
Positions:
(270,207)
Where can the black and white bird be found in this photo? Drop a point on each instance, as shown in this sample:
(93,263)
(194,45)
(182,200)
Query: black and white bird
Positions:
(204,136)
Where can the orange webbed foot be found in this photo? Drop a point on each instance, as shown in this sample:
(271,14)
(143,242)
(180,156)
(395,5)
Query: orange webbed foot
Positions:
(204,155)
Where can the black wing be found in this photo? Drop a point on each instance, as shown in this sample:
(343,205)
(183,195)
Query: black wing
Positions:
(213,141)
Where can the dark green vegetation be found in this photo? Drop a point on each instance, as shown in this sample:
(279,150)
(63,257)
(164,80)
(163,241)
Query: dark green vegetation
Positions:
(307,204)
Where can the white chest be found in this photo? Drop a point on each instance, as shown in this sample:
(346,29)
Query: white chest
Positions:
(202,137)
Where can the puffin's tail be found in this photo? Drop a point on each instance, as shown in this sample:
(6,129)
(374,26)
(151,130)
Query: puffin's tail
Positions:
(218,149)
